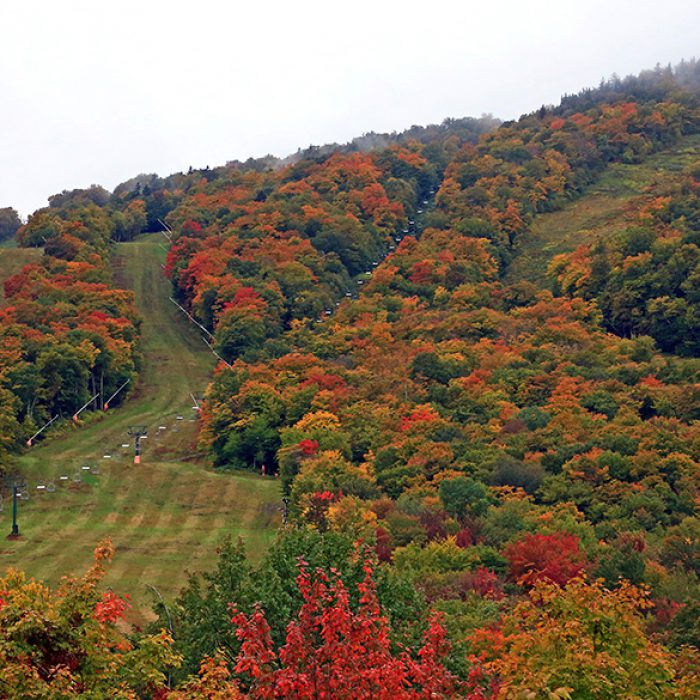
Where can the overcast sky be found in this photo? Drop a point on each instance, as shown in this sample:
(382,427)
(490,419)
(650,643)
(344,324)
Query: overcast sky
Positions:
(98,91)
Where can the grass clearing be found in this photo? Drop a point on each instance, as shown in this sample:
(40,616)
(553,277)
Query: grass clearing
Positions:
(603,211)
(166,515)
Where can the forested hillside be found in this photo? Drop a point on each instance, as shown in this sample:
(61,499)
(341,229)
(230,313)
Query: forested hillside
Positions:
(67,334)
(482,412)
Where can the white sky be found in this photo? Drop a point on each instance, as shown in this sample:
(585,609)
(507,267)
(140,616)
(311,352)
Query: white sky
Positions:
(98,91)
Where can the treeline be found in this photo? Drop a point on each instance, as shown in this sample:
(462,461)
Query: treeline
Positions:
(460,130)
(72,334)
(494,189)
(318,617)
(680,84)
(9,223)
(66,333)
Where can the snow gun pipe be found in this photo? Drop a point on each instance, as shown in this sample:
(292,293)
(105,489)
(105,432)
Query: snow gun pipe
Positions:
(196,403)
(216,354)
(106,404)
(166,230)
(196,323)
(165,226)
(82,408)
(40,431)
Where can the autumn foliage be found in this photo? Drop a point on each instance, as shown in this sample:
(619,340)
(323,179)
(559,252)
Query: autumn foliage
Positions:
(66,642)
(520,454)
(581,641)
(67,333)
(555,558)
(333,651)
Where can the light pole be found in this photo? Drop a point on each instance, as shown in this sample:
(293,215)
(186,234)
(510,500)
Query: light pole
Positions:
(16,487)
(15,526)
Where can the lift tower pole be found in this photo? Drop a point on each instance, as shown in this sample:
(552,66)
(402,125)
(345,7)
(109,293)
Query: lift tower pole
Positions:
(138,432)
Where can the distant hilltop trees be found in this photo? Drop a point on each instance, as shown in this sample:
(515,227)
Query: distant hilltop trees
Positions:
(9,223)
(681,83)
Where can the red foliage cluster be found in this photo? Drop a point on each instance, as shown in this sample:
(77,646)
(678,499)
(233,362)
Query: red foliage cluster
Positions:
(556,558)
(111,607)
(308,447)
(421,415)
(336,652)
(484,582)
(317,507)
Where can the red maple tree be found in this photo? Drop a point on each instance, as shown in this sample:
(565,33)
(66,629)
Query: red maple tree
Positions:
(333,651)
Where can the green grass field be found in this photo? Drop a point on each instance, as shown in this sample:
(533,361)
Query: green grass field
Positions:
(601,212)
(166,515)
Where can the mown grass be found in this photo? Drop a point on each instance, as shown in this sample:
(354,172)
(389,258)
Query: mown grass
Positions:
(166,515)
(603,211)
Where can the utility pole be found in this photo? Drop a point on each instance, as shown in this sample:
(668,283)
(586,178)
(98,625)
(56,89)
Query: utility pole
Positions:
(138,432)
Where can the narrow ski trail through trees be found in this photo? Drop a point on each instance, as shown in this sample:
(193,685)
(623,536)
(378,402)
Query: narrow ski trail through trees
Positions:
(602,211)
(164,515)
